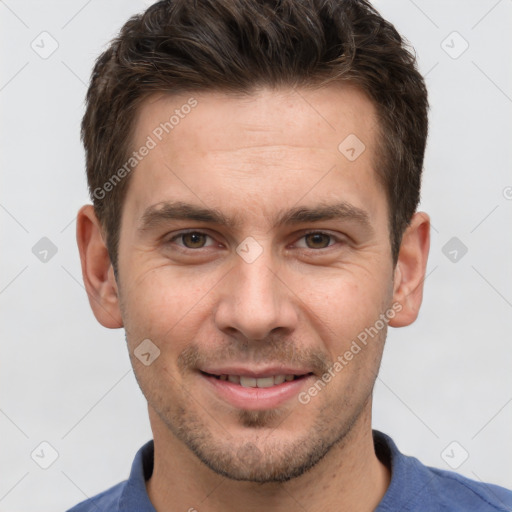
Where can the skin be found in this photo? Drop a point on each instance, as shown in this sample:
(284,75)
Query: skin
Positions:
(301,302)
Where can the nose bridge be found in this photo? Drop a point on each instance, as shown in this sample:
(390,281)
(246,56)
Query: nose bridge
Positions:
(258,284)
(254,301)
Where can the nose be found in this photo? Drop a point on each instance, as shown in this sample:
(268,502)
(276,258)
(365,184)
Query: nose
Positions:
(255,302)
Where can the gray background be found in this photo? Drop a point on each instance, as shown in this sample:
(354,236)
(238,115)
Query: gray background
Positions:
(67,381)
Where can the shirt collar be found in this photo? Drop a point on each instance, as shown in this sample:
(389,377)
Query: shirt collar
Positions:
(409,478)
(135,496)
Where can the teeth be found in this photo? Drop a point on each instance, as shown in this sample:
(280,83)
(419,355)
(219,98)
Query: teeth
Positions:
(253,382)
(248,382)
(279,379)
(265,382)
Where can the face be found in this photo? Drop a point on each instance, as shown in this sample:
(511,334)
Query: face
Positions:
(253,254)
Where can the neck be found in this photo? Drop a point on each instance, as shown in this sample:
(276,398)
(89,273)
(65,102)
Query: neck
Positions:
(352,479)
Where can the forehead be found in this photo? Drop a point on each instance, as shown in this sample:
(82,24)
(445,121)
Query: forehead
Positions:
(320,117)
(270,145)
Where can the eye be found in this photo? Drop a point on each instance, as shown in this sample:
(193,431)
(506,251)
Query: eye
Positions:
(316,240)
(192,240)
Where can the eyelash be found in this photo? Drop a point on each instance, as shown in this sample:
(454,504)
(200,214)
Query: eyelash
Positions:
(314,232)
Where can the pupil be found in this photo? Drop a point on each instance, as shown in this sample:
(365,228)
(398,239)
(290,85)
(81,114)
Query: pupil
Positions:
(193,240)
(318,240)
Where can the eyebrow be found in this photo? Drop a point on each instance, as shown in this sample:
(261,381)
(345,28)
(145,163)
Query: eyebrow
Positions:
(163,212)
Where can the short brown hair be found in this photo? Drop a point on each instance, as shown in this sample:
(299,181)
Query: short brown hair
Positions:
(238,45)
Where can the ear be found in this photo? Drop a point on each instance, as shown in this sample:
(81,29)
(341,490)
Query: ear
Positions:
(97,270)
(410,270)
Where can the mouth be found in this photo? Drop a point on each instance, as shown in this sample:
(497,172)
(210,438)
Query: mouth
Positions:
(256,391)
(247,381)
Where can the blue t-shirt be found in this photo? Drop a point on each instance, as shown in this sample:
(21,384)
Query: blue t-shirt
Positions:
(413,488)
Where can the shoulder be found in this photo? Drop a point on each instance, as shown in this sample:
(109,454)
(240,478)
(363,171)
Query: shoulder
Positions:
(416,487)
(107,500)
(129,494)
(457,492)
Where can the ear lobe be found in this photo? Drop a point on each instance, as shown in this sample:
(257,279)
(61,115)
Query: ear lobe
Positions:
(97,271)
(410,270)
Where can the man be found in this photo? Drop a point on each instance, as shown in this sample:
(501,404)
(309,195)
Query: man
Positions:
(255,170)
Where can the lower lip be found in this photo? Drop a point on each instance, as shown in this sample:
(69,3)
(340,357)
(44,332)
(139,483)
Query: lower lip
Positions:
(256,398)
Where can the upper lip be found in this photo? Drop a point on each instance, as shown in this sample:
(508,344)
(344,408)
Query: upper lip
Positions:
(255,372)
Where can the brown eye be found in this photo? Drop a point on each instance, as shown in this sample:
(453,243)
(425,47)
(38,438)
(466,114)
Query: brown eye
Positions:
(194,240)
(317,240)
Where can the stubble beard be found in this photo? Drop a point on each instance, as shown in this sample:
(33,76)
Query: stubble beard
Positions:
(262,457)
(259,454)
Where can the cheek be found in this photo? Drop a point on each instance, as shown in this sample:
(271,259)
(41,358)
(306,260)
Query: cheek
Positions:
(341,308)
(333,299)
(164,304)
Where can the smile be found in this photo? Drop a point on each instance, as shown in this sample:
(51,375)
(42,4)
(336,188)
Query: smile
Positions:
(257,382)
(264,390)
